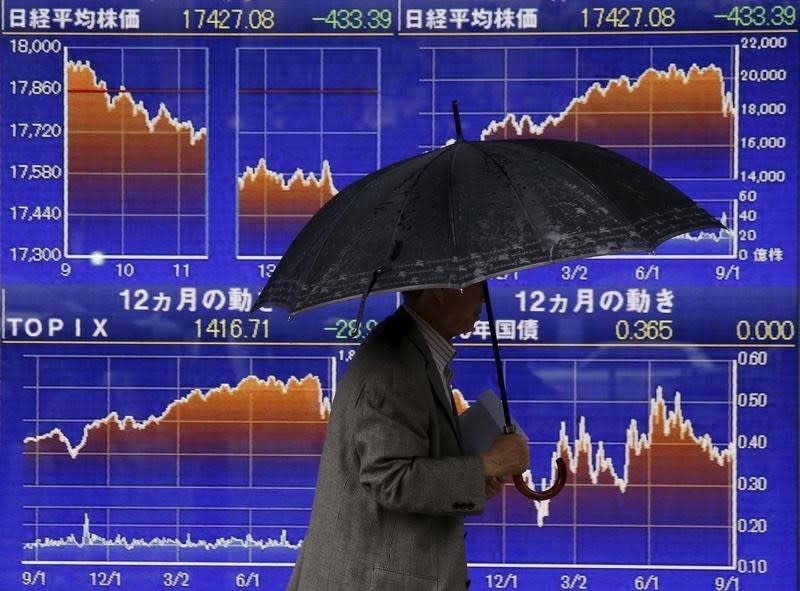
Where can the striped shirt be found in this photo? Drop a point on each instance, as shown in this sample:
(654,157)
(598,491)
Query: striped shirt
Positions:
(441,349)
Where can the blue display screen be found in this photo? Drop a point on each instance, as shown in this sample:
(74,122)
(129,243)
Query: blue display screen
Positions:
(159,157)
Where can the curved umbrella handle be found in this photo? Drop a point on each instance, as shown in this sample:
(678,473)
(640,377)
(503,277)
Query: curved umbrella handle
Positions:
(561,480)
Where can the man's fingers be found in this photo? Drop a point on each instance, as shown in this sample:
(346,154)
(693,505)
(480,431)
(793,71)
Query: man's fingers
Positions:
(508,455)
(494,485)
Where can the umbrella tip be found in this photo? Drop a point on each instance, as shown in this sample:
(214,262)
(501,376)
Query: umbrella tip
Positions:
(457,119)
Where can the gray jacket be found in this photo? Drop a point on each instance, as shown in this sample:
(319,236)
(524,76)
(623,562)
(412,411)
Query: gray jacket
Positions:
(393,485)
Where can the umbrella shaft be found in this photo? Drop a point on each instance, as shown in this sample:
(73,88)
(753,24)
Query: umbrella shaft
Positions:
(501,382)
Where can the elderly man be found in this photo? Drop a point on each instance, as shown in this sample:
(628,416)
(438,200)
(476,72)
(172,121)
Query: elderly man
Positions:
(393,484)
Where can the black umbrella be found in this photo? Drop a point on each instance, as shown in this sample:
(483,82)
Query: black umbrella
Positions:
(473,210)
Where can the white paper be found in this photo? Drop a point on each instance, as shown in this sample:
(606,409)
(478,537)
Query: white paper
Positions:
(482,422)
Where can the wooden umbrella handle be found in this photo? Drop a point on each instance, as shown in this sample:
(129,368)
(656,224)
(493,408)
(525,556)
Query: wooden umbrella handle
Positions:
(561,480)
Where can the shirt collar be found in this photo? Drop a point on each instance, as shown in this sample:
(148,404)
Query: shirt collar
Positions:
(441,349)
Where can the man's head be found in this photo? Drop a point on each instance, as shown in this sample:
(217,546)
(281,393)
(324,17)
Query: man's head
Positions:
(449,311)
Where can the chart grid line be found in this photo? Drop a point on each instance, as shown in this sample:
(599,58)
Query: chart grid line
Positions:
(122,237)
(283,156)
(509,520)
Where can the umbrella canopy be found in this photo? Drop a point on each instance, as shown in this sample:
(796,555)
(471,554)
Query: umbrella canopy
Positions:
(473,210)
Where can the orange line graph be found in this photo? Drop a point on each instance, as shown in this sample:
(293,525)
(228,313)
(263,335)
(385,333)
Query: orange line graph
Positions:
(280,413)
(92,110)
(665,107)
(669,458)
(263,192)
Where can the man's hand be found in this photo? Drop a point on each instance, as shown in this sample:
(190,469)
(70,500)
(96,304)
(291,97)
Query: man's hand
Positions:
(508,455)
(494,486)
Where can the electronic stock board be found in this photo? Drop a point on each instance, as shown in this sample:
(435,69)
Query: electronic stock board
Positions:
(157,159)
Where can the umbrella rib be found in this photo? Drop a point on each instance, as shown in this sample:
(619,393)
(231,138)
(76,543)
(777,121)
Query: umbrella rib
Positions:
(332,226)
(451,197)
(510,184)
(599,192)
(328,234)
(409,193)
